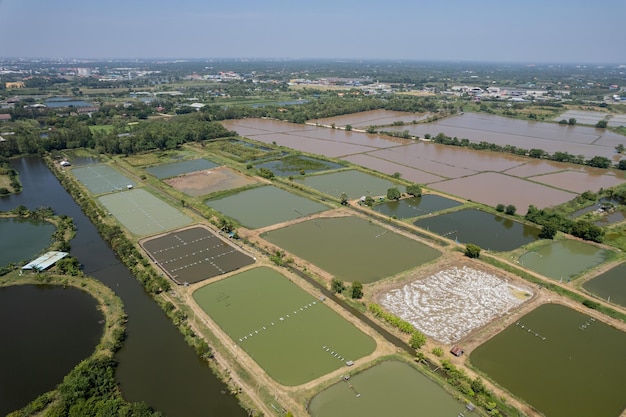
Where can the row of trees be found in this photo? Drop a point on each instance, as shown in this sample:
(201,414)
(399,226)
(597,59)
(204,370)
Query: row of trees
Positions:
(417,340)
(596,161)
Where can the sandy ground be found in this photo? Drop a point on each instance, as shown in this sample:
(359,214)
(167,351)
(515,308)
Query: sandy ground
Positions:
(210,180)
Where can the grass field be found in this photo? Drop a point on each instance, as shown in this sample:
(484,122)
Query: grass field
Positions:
(292,335)
(142,213)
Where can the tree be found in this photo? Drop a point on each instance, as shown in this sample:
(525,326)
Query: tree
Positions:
(548,231)
(417,339)
(396,175)
(510,209)
(500,208)
(348,128)
(602,124)
(356,290)
(571,121)
(369,201)
(619,148)
(337,286)
(266,173)
(344,199)
(472,250)
(414,189)
(393,193)
(622,165)
(599,162)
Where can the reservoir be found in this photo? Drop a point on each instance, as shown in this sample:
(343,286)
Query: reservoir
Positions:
(50,330)
(156,366)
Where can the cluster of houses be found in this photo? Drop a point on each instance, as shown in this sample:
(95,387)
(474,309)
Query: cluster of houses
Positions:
(510,93)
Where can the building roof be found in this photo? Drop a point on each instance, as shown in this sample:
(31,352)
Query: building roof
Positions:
(5,116)
(45,261)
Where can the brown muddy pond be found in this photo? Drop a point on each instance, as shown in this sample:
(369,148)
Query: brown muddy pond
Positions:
(551,137)
(492,188)
(477,173)
(372,117)
(580,182)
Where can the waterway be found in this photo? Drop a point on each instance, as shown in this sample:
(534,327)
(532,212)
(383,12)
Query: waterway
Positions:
(156,366)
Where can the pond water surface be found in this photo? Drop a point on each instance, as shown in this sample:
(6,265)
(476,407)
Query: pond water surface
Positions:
(610,285)
(388,389)
(45,332)
(23,239)
(562,362)
(564,259)
(489,231)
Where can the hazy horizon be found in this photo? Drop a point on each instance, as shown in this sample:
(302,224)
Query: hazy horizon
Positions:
(489,31)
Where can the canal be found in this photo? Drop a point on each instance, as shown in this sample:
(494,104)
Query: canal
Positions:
(156,366)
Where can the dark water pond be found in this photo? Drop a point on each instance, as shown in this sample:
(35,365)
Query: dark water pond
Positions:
(156,366)
(489,231)
(45,332)
(415,206)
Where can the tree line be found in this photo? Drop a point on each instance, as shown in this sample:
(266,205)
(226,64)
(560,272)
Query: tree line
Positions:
(559,156)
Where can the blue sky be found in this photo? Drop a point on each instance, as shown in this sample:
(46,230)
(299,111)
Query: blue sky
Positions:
(530,31)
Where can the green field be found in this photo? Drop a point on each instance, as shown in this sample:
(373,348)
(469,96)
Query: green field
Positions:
(292,335)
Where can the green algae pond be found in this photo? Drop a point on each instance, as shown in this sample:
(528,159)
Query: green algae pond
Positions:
(610,285)
(407,208)
(351,248)
(355,184)
(27,239)
(390,388)
(263,206)
(562,362)
(564,259)
(292,335)
(489,231)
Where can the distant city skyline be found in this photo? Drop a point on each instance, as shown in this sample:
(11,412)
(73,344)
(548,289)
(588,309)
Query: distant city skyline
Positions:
(532,31)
